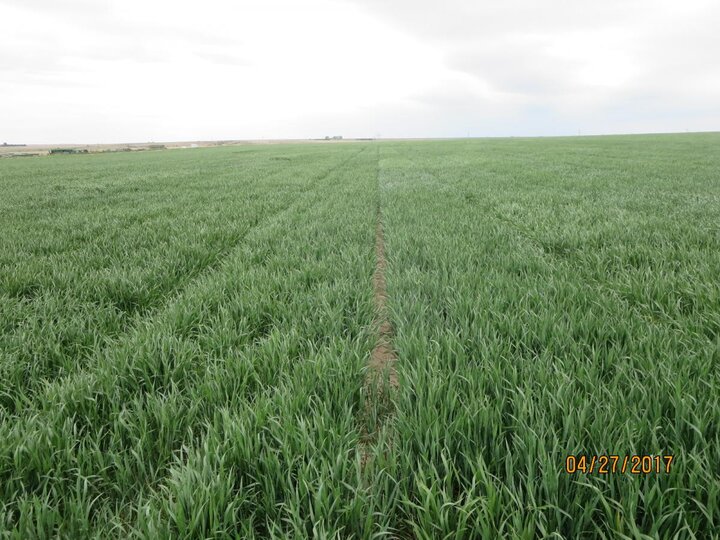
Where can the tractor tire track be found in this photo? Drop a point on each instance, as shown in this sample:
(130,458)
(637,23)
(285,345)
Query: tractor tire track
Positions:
(381,377)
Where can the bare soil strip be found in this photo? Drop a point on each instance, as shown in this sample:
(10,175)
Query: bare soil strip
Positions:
(383,358)
(381,379)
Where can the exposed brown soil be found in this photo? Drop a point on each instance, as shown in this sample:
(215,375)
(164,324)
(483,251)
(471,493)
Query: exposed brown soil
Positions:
(381,378)
(383,358)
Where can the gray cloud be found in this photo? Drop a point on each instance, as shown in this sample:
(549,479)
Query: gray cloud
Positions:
(660,53)
(514,65)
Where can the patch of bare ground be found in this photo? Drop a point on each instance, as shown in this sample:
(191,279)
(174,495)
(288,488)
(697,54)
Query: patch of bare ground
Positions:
(383,357)
(381,379)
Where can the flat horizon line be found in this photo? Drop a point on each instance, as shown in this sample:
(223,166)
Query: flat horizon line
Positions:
(280,140)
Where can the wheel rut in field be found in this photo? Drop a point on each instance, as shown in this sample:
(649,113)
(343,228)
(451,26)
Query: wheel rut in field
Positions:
(381,377)
(383,357)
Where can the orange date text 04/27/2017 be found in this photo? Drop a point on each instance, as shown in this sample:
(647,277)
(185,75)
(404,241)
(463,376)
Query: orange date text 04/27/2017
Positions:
(613,464)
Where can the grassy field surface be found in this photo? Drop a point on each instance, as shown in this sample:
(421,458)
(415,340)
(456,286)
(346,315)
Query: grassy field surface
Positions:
(185,334)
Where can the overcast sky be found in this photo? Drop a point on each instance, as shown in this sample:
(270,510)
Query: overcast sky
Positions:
(161,70)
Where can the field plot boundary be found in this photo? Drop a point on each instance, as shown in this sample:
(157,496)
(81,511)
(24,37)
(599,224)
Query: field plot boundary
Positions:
(381,377)
(383,356)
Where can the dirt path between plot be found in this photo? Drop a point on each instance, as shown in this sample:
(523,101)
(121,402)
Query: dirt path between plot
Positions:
(383,358)
(381,379)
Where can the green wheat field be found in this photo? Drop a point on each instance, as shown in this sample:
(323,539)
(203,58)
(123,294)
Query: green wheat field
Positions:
(185,335)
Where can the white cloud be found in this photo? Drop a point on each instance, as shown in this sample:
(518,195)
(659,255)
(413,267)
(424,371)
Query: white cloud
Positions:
(97,71)
(579,61)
